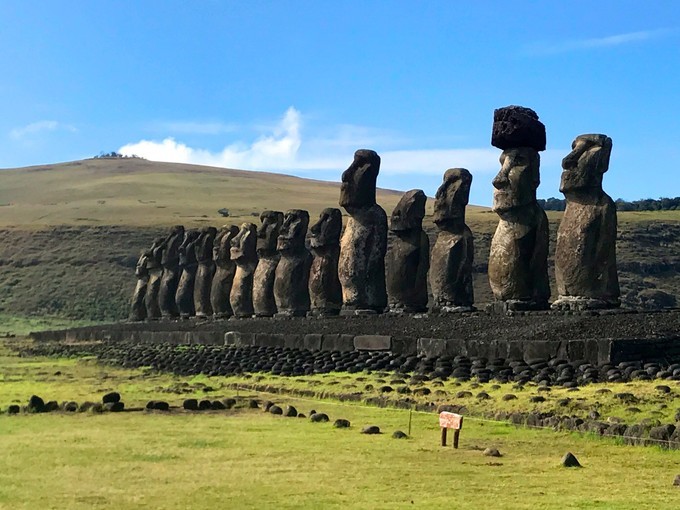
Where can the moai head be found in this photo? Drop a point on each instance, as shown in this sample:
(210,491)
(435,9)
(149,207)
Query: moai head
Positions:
(584,166)
(244,244)
(326,231)
(358,181)
(409,212)
(452,196)
(172,243)
(205,244)
(222,244)
(293,230)
(516,183)
(187,254)
(268,233)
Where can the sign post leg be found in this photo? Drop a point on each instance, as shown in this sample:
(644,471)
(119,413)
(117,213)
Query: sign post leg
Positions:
(456,435)
(443,436)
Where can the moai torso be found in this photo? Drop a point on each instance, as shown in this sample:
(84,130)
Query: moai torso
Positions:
(518,260)
(408,256)
(453,252)
(361,267)
(585,256)
(155,271)
(324,286)
(244,254)
(204,272)
(189,265)
(264,303)
(137,305)
(291,285)
(225,268)
(171,272)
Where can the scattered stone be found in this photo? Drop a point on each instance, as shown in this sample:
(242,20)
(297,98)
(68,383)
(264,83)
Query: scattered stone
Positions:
(274,409)
(85,406)
(570,460)
(341,423)
(190,404)
(111,397)
(13,409)
(301,415)
(267,405)
(676,482)
(204,405)
(50,406)
(492,452)
(398,434)
(483,395)
(96,408)
(663,388)
(536,399)
(36,404)
(70,407)
(290,412)
(371,429)
(319,418)
(229,402)
(114,407)
(463,394)
(508,397)
(217,405)
(252,404)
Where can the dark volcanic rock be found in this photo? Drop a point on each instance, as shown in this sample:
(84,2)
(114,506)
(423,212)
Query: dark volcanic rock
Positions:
(570,460)
(190,404)
(398,434)
(36,404)
(371,429)
(318,417)
(341,423)
(517,126)
(111,397)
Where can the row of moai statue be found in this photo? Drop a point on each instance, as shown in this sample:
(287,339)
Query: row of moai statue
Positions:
(282,269)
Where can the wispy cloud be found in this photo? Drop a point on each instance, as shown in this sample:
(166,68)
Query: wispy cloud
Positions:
(24,132)
(283,149)
(194,127)
(541,49)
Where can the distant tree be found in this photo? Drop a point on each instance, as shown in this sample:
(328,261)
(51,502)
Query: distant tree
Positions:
(645,204)
(114,154)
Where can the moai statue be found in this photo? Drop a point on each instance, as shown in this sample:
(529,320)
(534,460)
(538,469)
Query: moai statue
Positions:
(518,261)
(189,265)
(408,257)
(137,306)
(155,271)
(225,268)
(205,272)
(171,272)
(244,254)
(325,292)
(453,252)
(585,256)
(363,246)
(264,303)
(291,284)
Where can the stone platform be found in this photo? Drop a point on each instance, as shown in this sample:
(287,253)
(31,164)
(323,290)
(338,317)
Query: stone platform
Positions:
(596,337)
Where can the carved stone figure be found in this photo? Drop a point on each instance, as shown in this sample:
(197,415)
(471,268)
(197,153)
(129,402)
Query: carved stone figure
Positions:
(154,270)
(244,254)
(361,268)
(225,268)
(453,252)
(585,256)
(171,272)
(189,265)
(291,285)
(408,257)
(325,292)
(518,261)
(205,271)
(264,304)
(137,306)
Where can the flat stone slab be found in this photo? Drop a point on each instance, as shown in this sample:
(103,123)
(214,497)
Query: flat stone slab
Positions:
(373,342)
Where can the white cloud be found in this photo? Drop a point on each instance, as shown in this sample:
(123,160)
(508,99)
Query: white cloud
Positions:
(194,128)
(597,42)
(34,128)
(284,150)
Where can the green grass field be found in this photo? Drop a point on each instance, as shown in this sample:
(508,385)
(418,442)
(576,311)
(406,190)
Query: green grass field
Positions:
(249,459)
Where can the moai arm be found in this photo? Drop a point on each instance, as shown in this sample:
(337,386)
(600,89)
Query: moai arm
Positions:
(539,259)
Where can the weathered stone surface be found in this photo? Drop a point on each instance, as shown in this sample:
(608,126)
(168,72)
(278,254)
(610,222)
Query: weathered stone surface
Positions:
(171,272)
(371,429)
(453,252)
(137,304)
(291,284)
(570,460)
(189,265)
(408,258)
(205,272)
(361,268)
(518,260)
(244,254)
(225,269)
(341,423)
(155,271)
(325,292)
(264,303)
(585,256)
(373,342)
(516,126)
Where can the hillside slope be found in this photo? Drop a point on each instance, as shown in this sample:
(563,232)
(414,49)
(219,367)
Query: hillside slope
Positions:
(70,234)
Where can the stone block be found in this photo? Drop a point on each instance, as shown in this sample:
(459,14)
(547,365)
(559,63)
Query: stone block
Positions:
(431,347)
(293,341)
(372,342)
(342,343)
(312,342)
(516,126)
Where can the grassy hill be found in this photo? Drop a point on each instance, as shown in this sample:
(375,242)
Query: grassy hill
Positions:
(70,233)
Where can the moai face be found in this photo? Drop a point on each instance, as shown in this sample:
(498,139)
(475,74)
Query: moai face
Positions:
(205,243)
(222,245)
(452,196)
(516,183)
(409,212)
(358,181)
(293,230)
(326,231)
(244,244)
(584,166)
(268,233)
(172,244)
(187,254)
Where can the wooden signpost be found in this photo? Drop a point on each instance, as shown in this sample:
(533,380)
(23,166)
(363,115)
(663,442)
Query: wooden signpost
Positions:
(450,421)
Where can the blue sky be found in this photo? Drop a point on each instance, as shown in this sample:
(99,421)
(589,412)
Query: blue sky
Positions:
(297,86)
